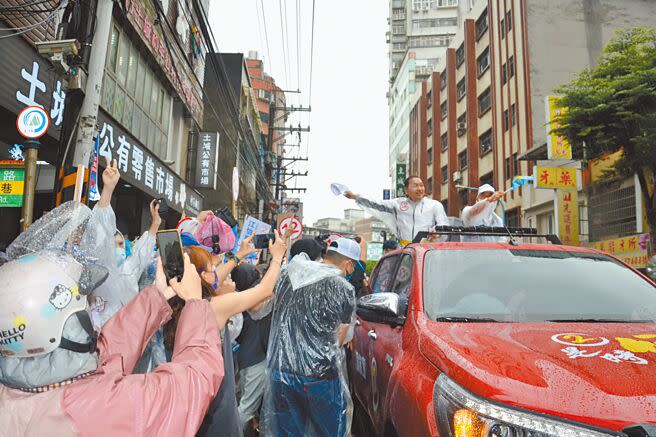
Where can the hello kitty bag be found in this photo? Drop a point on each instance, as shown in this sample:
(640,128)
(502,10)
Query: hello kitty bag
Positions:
(215,234)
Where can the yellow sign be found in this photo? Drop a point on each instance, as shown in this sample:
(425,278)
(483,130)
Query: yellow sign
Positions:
(555,177)
(568,217)
(632,249)
(557,146)
(599,166)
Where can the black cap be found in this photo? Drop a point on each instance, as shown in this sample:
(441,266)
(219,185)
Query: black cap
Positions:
(390,245)
(311,247)
(245,276)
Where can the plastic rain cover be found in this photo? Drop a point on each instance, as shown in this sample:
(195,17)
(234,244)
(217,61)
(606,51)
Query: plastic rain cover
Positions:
(306,389)
(485,217)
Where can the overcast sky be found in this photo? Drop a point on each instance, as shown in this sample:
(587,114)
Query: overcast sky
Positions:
(348,139)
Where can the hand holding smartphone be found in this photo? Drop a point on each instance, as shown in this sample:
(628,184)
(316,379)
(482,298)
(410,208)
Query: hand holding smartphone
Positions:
(170,249)
(261,241)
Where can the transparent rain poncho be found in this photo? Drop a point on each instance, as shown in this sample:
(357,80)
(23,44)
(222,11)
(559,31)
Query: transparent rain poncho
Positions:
(306,389)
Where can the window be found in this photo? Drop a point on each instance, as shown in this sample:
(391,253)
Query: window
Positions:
(513,115)
(445,204)
(504,77)
(398,29)
(384,275)
(483,61)
(502,29)
(438,22)
(509,21)
(429,127)
(487,179)
(481,25)
(403,276)
(484,102)
(134,96)
(462,160)
(462,124)
(462,88)
(444,142)
(443,80)
(485,142)
(430,41)
(112,58)
(515,164)
(512,218)
(446,3)
(430,156)
(443,110)
(445,175)
(507,168)
(460,55)
(511,67)
(429,99)
(398,46)
(504,121)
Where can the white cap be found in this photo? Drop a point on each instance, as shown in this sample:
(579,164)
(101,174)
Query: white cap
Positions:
(485,188)
(347,247)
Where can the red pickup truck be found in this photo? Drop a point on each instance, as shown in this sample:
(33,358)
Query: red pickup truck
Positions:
(502,340)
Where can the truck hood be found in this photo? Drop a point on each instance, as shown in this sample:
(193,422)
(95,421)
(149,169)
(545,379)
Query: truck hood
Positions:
(603,374)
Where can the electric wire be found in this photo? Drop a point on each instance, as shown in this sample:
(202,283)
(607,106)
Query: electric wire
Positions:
(266,33)
(21,30)
(284,51)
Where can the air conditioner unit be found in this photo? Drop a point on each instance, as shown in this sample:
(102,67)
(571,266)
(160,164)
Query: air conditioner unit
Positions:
(456,176)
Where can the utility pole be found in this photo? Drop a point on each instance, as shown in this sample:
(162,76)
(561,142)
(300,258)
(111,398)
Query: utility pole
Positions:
(89,111)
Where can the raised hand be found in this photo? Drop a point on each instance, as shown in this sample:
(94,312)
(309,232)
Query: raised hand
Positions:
(190,285)
(155,219)
(110,175)
(160,281)
(246,248)
(278,248)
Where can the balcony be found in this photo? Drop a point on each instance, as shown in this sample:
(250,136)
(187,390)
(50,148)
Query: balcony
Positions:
(423,71)
(400,16)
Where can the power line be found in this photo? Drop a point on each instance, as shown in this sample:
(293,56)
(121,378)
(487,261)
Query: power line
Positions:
(311,55)
(266,33)
(298,43)
(25,29)
(284,51)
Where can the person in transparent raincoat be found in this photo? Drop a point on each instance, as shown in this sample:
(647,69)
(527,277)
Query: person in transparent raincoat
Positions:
(482,213)
(306,391)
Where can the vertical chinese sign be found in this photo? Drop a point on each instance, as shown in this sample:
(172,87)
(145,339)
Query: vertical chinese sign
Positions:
(557,146)
(401,174)
(12,181)
(206,159)
(568,217)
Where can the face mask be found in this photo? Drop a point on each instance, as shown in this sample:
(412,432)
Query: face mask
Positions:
(215,284)
(120,255)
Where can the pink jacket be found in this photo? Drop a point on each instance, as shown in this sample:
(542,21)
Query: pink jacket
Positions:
(171,401)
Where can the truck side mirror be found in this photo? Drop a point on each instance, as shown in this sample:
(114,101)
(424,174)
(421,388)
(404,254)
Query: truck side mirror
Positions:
(388,308)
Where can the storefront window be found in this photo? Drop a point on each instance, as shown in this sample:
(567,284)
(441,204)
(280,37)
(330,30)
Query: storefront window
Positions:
(134,95)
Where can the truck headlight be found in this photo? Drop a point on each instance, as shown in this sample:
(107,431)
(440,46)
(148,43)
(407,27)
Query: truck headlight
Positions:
(461,413)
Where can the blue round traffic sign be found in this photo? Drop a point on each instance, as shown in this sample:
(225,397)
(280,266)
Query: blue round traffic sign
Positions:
(33,122)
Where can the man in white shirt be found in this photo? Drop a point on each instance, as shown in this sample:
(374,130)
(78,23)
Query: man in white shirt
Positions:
(482,212)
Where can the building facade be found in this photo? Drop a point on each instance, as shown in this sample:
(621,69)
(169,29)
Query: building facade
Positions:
(482,117)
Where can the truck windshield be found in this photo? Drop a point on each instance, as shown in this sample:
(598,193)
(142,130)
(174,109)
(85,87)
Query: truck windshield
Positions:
(533,286)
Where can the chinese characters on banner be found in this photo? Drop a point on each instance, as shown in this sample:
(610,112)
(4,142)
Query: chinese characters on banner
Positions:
(12,182)
(555,177)
(557,146)
(401,174)
(568,217)
(251,226)
(633,249)
(206,159)
(142,169)
(143,16)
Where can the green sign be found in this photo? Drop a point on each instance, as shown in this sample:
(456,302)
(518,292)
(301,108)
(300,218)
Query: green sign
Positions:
(401,174)
(12,181)
(374,251)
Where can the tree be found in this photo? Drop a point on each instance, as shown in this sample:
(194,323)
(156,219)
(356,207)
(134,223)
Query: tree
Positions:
(613,106)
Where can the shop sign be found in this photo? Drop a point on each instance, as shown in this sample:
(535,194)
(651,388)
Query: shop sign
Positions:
(33,122)
(555,177)
(599,167)
(207,159)
(13,156)
(139,167)
(142,16)
(29,80)
(557,146)
(12,182)
(401,174)
(632,249)
(568,217)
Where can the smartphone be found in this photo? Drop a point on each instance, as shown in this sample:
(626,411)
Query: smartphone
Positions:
(261,241)
(163,207)
(170,249)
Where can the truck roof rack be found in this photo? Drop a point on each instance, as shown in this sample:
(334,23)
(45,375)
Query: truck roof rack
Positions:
(486,231)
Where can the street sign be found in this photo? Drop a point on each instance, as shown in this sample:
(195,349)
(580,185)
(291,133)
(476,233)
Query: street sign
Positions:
(401,174)
(374,251)
(387,194)
(291,223)
(12,182)
(568,217)
(555,177)
(33,122)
